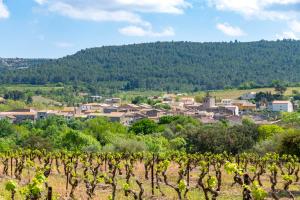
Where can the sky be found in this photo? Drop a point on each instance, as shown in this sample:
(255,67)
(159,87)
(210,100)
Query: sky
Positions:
(56,28)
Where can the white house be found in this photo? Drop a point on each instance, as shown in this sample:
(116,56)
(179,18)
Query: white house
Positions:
(226,102)
(281,106)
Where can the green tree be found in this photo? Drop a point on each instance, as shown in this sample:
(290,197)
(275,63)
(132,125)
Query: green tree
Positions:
(267,131)
(78,141)
(144,127)
(6,128)
(279,86)
(104,131)
(290,143)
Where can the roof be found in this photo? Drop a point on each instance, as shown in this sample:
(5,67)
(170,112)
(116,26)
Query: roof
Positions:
(281,102)
(112,114)
(68,109)
(91,104)
(17,113)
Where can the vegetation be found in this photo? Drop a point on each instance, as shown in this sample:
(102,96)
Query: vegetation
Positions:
(170,175)
(169,66)
(170,133)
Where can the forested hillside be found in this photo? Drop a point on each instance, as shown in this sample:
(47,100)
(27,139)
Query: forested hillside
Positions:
(184,66)
(17,63)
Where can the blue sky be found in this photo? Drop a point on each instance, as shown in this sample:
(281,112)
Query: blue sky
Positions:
(55,28)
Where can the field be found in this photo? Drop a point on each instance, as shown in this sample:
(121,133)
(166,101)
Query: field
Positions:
(114,175)
(235,93)
(32,88)
(219,94)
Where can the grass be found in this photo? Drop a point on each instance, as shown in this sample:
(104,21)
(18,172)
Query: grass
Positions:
(44,100)
(219,94)
(24,87)
(235,93)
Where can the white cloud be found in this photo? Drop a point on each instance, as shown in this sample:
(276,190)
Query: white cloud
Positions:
(257,8)
(40,1)
(118,11)
(230,30)
(295,26)
(63,45)
(95,14)
(4,13)
(113,10)
(146,32)
(287,35)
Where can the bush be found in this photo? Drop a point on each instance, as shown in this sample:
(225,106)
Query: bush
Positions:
(129,145)
(290,143)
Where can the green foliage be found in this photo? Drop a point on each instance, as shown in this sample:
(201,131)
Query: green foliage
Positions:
(279,86)
(78,141)
(258,192)
(6,128)
(291,143)
(11,185)
(267,131)
(7,144)
(129,145)
(34,189)
(104,131)
(167,119)
(144,127)
(184,66)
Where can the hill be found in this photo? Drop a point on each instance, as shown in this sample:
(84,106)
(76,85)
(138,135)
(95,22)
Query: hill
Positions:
(185,66)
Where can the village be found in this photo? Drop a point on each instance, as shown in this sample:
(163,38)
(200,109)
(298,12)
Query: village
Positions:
(209,110)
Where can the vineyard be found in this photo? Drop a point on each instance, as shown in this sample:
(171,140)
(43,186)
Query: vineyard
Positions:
(36,175)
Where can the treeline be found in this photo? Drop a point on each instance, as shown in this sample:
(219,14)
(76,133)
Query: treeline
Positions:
(170,66)
(171,133)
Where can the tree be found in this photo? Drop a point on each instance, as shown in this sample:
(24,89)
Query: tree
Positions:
(14,95)
(279,86)
(6,128)
(144,127)
(267,131)
(104,131)
(290,143)
(29,100)
(78,141)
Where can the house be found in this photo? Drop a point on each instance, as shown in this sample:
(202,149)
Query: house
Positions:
(133,117)
(113,101)
(187,100)
(43,114)
(110,109)
(233,109)
(68,110)
(129,108)
(151,112)
(96,98)
(93,106)
(18,116)
(226,102)
(248,96)
(113,116)
(244,105)
(281,106)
